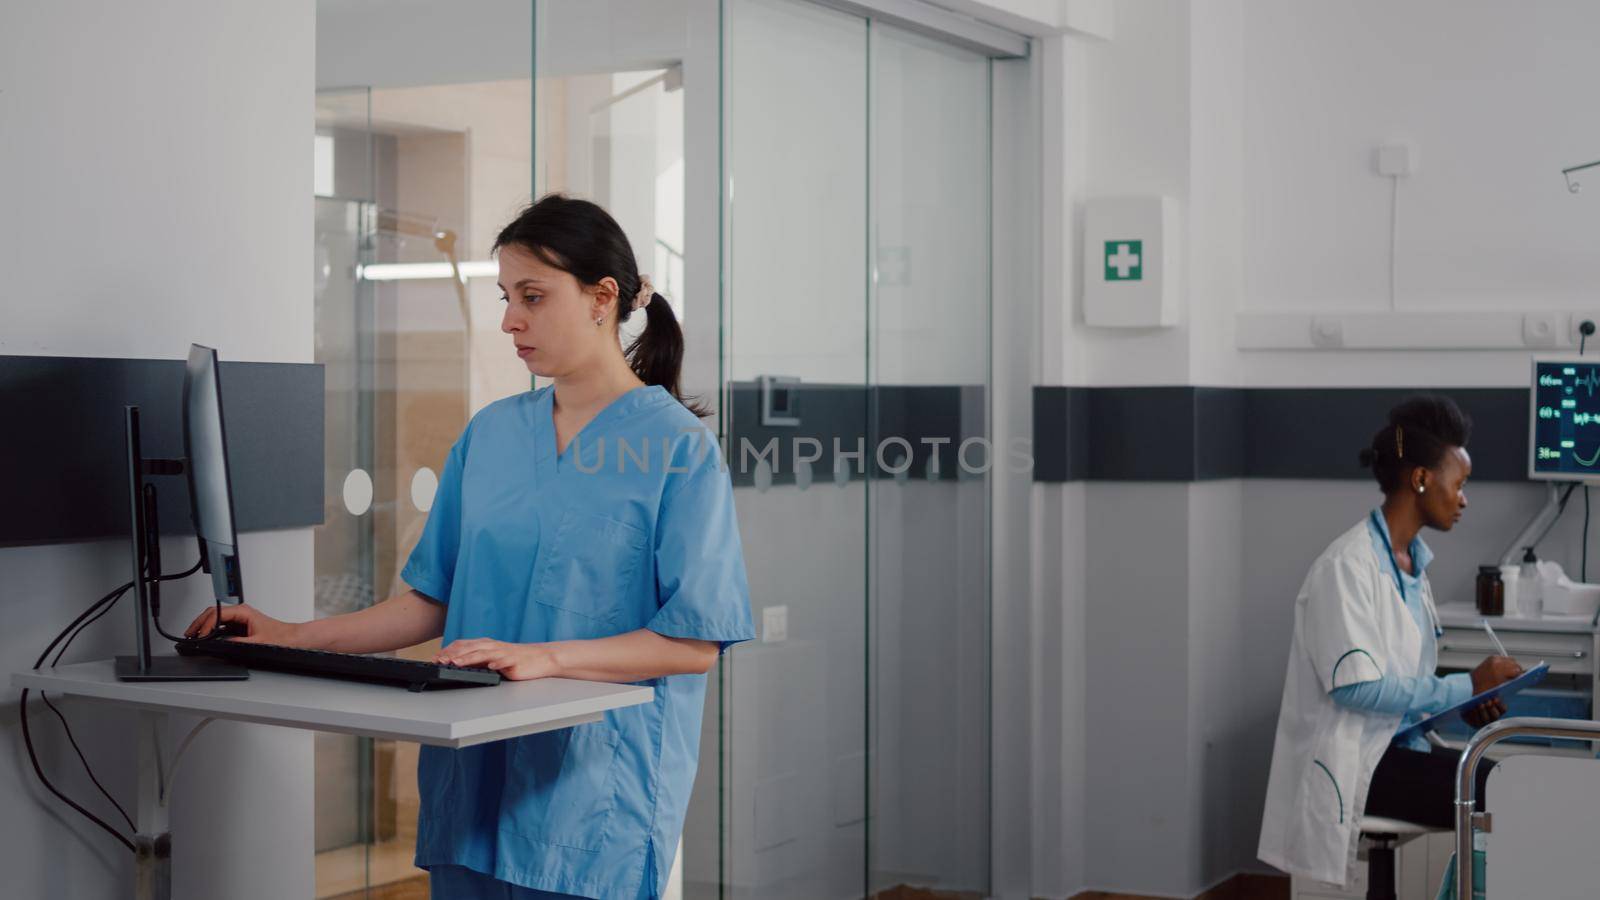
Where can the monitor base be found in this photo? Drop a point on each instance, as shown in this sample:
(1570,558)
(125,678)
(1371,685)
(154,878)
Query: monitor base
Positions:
(179,668)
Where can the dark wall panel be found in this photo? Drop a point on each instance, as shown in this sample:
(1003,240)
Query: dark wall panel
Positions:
(64,452)
(1198,433)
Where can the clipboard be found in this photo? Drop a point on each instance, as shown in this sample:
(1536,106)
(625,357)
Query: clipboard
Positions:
(1522,682)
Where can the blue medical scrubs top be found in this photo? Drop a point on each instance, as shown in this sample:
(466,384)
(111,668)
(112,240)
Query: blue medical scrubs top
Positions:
(632,527)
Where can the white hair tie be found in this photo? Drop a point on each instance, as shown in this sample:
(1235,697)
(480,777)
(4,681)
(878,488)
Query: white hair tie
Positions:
(646,291)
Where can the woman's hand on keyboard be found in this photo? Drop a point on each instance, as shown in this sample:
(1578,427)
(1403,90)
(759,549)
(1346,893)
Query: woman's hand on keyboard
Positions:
(516,662)
(256,626)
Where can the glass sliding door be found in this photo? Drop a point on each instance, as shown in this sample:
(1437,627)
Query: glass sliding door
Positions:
(627,114)
(343,545)
(423,150)
(797,277)
(858,291)
(928,685)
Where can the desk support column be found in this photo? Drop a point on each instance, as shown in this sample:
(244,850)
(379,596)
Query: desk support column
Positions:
(153,840)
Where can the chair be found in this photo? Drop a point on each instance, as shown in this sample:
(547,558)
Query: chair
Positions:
(1381,836)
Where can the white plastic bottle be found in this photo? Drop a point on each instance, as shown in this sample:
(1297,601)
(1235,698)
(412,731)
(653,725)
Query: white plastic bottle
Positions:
(1511,577)
(1530,590)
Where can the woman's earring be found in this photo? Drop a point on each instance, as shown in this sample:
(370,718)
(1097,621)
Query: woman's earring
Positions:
(1422,489)
(598,320)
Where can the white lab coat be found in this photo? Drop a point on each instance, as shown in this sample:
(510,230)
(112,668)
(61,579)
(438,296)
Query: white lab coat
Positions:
(1350,625)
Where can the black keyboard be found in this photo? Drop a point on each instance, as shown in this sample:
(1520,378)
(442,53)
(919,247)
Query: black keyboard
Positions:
(411,673)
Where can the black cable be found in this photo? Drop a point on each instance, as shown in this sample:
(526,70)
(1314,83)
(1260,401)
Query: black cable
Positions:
(67,727)
(27,738)
(81,628)
(1584,577)
(155,615)
(1561,507)
(109,598)
(102,604)
(81,758)
(70,633)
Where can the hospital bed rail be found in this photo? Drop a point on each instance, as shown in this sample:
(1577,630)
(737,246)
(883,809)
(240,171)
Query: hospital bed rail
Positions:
(1467,818)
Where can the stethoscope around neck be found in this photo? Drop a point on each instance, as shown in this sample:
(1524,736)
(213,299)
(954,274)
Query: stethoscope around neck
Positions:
(1399,581)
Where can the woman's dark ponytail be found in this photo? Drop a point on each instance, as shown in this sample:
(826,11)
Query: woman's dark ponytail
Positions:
(656,354)
(579,237)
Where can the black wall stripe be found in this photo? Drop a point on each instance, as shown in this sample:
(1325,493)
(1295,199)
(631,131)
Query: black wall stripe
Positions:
(1174,434)
(1143,434)
(931,419)
(64,451)
(1221,421)
(1200,433)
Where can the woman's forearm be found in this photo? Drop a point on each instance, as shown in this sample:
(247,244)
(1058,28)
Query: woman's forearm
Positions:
(1397,695)
(404,620)
(634,656)
(624,658)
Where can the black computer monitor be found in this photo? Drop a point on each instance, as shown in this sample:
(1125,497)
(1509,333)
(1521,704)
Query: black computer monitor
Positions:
(205,465)
(205,444)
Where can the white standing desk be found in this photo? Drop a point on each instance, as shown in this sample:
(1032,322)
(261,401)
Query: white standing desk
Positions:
(455,718)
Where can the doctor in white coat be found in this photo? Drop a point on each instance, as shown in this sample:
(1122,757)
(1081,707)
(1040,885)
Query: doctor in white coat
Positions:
(1361,667)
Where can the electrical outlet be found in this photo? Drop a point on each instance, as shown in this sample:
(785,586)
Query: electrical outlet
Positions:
(1326,332)
(1397,159)
(774,624)
(1541,329)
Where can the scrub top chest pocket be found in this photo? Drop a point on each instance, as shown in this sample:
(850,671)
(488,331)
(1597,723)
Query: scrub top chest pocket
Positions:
(589,566)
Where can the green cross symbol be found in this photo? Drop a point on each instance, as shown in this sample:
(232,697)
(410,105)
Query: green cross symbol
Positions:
(1124,260)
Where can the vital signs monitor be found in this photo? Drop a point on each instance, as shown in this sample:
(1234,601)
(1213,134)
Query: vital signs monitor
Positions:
(1564,439)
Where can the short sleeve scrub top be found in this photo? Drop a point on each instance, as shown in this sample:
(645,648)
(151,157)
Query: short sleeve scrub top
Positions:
(631,527)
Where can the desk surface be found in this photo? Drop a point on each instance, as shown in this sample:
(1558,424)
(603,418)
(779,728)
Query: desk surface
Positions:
(1465,615)
(453,718)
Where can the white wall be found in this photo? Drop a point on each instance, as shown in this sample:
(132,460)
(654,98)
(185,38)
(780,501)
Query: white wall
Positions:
(409,43)
(1487,91)
(157,187)
(1137,710)
(1133,118)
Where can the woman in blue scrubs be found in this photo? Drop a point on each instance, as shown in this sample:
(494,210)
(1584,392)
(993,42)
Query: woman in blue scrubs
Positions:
(582,530)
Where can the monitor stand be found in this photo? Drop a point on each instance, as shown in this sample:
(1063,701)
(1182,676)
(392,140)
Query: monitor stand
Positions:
(147,566)
(178,668)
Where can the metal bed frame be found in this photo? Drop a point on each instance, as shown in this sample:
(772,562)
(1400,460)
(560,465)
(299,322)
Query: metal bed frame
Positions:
(1468,820)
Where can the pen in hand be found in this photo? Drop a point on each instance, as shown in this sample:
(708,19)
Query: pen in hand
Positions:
(1496,638)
